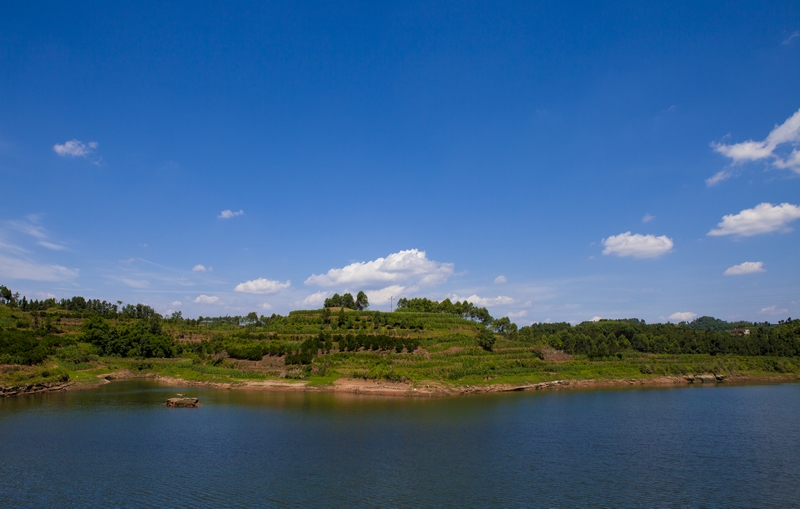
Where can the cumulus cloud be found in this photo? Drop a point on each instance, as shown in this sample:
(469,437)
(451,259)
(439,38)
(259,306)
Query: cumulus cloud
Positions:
(206,299)
(20,268)
(176,303)
(683,316)
(647,218)
(763,218)
(262,286)
(201,268)
(786,133)
(745,268)
(773,310)
(315,299)
(500,300)
(637,246)
(499,280)
(595,319)
(75,148)
(382,296)
(227,214)
(518,314)
(409,267)
(265,305)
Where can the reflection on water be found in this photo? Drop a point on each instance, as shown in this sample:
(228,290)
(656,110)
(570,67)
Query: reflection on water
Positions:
(119,446)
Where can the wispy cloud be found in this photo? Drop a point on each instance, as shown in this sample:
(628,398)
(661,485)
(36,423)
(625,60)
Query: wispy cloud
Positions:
(262,286)
(763,218)
(499,280)
(50,245)
(647,218)
(30,226)
(794,35)
(637,245)
(201,268)
(745,268)
(228,214)
(20,268)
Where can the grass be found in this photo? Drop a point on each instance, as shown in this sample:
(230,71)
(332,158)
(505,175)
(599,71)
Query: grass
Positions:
(447,354)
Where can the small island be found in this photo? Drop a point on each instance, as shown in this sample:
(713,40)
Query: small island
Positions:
(423,348)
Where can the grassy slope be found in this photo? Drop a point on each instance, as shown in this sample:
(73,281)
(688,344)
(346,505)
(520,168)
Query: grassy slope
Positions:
(448,354)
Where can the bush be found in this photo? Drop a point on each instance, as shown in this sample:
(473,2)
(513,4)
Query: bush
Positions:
(486,339)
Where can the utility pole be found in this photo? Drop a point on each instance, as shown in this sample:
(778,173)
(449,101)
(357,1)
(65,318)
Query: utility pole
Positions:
(390,303)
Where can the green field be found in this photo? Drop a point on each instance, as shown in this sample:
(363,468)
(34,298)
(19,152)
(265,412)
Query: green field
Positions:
(52,343)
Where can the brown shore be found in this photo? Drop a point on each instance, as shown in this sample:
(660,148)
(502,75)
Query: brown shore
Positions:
(385,388)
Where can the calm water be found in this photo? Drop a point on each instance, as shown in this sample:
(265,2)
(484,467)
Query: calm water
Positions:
(118,446)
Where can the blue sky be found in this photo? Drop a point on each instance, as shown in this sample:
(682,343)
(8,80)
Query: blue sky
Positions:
(551,161)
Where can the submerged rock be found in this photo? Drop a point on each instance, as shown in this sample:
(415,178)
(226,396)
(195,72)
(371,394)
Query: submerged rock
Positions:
(183,402)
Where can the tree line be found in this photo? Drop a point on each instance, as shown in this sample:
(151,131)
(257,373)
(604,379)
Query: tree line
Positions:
(360,303)
(464,309)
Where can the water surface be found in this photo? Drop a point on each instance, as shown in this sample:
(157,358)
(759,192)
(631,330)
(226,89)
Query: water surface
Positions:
(118,446)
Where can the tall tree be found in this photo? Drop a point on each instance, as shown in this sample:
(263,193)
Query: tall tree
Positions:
(362,302)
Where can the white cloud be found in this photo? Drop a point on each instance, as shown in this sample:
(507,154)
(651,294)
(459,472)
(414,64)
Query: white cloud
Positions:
(16,268)
(763,218)
(315,299)
(794,35)
(595,319)
(227,214)
(200,268)
(773,310)
(176,303)
(683,316)
(135,283)
(382,296)
(647,218)
(75,148)
(409,267)
(262,286)
(718,177)
(30,226)
(745,268)
(265,305)
(206,299)
(50,245)
(786,133)
(500,300)
(638,246)
(499,280)
(518,314)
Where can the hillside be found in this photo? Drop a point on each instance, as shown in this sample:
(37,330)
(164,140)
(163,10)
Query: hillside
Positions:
(74,341)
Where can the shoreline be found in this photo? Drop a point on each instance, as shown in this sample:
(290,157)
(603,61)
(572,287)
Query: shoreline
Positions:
(400,389)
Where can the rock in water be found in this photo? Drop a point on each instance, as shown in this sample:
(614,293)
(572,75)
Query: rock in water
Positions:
(183,402)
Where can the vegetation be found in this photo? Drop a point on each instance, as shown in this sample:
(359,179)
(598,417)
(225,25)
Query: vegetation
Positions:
(422,341)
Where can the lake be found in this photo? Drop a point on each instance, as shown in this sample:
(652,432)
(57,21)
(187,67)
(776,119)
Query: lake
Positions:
(119,446)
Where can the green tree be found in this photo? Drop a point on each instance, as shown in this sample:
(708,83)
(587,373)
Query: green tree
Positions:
(362,302)
(348,301)
(486,339)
